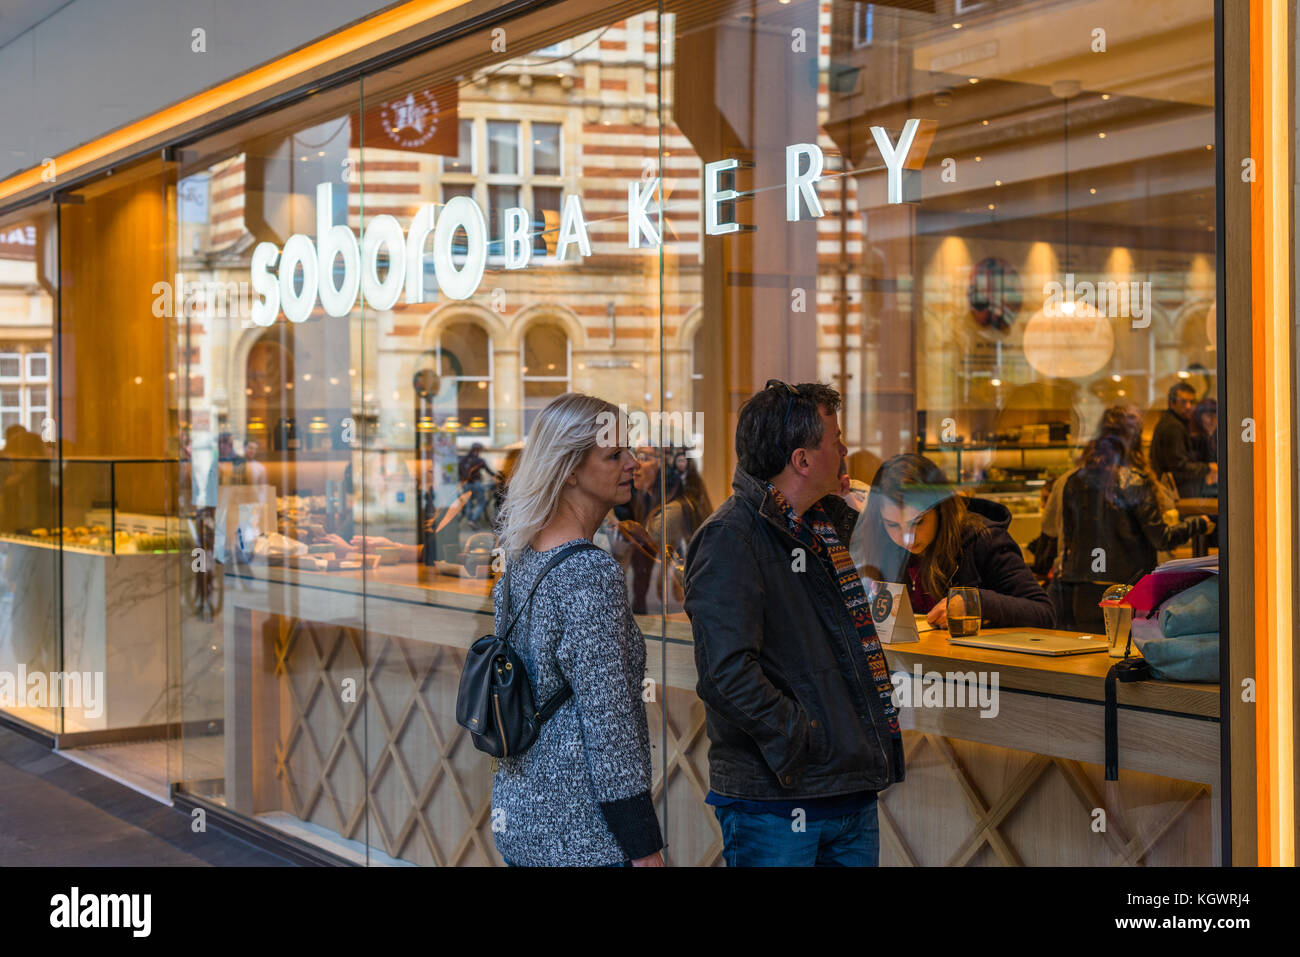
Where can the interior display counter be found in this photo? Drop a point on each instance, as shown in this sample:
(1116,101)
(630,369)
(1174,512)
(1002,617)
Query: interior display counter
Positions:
(114,610)
(89,559)
(1023,787)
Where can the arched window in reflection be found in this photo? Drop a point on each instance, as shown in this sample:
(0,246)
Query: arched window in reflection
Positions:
(464,364)
(268,388)
(545,367)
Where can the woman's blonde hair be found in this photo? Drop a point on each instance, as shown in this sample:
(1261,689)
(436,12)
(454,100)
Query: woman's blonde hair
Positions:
(564,431)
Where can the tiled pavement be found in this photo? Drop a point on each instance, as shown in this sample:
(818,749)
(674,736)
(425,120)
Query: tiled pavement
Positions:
(56,813)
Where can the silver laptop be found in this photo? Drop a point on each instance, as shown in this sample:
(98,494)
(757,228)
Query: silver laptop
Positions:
(1036,644)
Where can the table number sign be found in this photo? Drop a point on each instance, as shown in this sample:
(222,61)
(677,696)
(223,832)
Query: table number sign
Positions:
(891,610)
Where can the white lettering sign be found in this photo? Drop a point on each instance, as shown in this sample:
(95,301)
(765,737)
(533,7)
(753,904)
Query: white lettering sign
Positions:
(334,268)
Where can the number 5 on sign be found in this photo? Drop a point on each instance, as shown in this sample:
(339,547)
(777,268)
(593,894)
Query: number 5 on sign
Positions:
(891,610)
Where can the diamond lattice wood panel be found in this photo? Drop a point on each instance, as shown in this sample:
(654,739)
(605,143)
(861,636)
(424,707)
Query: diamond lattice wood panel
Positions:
(968,804)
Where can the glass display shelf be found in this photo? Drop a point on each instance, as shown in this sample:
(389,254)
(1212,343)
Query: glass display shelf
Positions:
(111,506)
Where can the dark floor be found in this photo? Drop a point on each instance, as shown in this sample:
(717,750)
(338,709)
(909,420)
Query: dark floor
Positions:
(56,813)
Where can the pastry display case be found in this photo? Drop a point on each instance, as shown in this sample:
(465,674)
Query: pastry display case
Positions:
(109,505)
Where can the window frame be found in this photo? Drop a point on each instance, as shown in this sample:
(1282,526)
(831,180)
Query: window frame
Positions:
(525,377)
(525,180)
(461,439)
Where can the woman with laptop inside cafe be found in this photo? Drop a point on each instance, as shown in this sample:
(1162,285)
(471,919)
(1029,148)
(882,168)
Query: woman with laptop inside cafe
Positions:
(917,531)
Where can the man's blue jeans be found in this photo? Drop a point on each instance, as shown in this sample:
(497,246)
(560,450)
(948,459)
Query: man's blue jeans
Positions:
(771,840)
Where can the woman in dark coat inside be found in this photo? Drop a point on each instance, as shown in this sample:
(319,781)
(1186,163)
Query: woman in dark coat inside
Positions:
(1112,527)
(917,530)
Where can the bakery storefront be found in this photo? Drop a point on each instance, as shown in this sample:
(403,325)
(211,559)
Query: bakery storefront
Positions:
(261,371)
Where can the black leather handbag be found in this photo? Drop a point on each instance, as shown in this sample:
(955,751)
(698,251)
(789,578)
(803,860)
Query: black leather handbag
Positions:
(495,701)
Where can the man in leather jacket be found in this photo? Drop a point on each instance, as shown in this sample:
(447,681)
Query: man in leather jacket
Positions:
(802,729)
(1172,449)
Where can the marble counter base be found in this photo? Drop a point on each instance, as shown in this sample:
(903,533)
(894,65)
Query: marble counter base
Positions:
(114,614)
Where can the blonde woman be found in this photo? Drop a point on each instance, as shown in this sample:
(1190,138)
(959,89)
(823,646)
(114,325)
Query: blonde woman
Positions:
(581,794)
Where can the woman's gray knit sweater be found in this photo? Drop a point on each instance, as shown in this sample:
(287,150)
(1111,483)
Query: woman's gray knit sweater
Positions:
(581,794)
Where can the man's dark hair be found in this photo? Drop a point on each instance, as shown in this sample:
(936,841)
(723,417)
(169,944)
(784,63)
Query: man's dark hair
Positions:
(1178,387)
(766,436)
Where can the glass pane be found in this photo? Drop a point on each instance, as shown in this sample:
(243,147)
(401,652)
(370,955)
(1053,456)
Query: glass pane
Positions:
(547,201)
(1038,274)
(469,407)
(536,395)
(30,569)
(546,351)
(272,426)
(465,351)
(503,147)
(546,149)
(463,161)
(500,198)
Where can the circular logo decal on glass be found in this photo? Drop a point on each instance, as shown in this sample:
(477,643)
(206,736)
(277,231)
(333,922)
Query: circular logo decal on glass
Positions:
(411,121)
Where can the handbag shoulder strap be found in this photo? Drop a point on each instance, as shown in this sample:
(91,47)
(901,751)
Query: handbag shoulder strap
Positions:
(550,564)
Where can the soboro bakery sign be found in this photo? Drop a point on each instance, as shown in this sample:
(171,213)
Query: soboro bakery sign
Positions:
(274,271)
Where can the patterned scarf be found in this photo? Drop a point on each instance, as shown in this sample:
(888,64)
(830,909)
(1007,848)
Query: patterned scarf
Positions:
(818,534)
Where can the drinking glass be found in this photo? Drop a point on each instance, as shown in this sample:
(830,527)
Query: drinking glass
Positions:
(1119,619)
(964,612)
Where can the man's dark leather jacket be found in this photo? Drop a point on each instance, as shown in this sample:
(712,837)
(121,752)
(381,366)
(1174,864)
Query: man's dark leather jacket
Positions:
(792,711)
(1172,451)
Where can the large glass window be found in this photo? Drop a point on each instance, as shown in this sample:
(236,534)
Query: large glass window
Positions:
(1040,262)
(277,409)
(30,569)
(1038,271)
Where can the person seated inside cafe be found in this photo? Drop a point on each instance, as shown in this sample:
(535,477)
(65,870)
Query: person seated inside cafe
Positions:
(918,530)
(1112,523)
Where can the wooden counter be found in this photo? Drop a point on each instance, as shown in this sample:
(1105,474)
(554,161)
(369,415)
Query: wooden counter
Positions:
(1021,787)
(1073,676)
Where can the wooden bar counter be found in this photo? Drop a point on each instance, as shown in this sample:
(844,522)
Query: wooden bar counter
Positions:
(1021,787)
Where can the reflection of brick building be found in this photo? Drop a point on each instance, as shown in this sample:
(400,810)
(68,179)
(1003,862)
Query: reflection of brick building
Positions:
(26,330)
(580,116)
